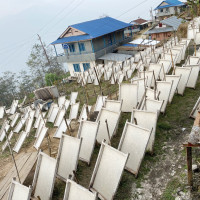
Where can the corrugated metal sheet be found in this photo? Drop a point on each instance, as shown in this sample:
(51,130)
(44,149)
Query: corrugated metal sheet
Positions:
(72,39)
(159,30)
(94,29)
(171,3)
(172,21)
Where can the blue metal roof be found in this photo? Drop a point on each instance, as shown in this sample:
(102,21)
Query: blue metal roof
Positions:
(94,29)
(130,45)
(171,3)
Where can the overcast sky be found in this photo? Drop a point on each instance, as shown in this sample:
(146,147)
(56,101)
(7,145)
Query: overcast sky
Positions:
(22,20)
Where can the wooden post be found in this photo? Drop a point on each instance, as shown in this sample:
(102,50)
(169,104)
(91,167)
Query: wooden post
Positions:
(189,165)
(173,72)
(108,131)
(98,81)
(75,176)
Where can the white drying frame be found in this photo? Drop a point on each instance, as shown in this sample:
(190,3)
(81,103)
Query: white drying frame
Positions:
(20,141)
(4,146)
(132,148)
(144,125)
(99,102)
(195,109)
(12,191)
(38,174)
(79,135)
(194,74)
(13,122)
(172,78)
(76,107)
(70,184)
(183,80)
(115,128)
(110,104)
(147,100)
(53,114)
(97,168)
(83,114)
(73,97)
(166,99)
(61,153)
(2,110)
(40,137)
(62,128)
(61,101)
(128,106)
(59,117)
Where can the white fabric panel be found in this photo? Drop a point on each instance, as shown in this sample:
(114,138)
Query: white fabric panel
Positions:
(4,130)
(37,121)
(50,109)
(152,105)
(141,83)
(40,138)
(168,56)
(40,126)
(197,38)
(73,97)
(178,53)
(74,191)
(13,107)
(164,88)
(157,71)
(128,94)
(167,65)
(113,105)
(13,122)
(193,76)
(148,76)
(184,72)
(151,94)
(99,102)
(19,125)
(6,142)
(192,60)
(1,112)
(62,128)
(175,80)
(83,115)
(146,120)
(194,112)
(19,192)
(74,111)
(109,168)
(68,156)
(61,101)
(53,114)
(44,177)
(29,121)
(112,119)
(134,141)
(20,141)
(88,132)
(59,117)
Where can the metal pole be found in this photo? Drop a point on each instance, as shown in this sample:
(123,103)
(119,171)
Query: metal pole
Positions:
(108,131)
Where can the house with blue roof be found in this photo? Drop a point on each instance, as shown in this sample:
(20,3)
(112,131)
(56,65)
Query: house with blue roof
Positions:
(85,42)
(168,8)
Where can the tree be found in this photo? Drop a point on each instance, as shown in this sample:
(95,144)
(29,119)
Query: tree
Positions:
(8,88)
(39,65)
(194,6)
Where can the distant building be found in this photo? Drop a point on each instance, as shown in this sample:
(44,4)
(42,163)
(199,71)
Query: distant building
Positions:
(164,29)
(85,42)
(168,8)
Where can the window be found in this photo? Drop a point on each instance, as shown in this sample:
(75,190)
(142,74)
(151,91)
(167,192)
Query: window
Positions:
(77,67)
(71,48)
(161,10)
(81,46)
(167,10)
(86,66)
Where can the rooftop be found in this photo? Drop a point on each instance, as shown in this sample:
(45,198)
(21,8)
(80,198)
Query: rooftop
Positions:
(139,21)
(93,29)
(169,3)
(172,25)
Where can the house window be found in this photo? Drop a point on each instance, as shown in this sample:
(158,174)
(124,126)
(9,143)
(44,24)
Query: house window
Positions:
(161,10)
(77,67)
(81,46)
(71,48)
(86,66)
(167,10)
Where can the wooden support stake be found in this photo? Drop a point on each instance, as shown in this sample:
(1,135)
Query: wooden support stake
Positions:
(108,131)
